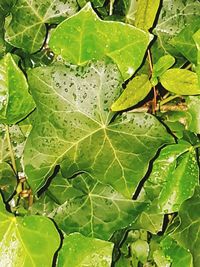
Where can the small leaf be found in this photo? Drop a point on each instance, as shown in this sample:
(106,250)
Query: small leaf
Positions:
(187,233)
(141,250)
(162,65)
(87,206)
(8,180)
(86,37)
(176,163)
(146,13)
(180,82)
(27,27)
(196,38)
(15,100)
(23,239)
(136,90)
(74,128)
(80,251)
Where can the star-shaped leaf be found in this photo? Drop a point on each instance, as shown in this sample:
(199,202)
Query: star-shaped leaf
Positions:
(27,28)
(85,37)
(75,128)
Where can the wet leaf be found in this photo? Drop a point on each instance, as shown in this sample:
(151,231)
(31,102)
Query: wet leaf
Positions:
(187,233)
(73,128)
(136,90)
(76,206)
(180,82)
(86,37)
(21,240)
(27,27)
(176,163)
(15,100)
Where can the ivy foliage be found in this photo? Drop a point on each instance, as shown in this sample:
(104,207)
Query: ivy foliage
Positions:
(99,127)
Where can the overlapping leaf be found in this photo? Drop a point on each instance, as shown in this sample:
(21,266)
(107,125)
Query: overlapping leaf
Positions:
(85,37)
(187,232)
(27,28)
(15,100)
(21,240)
(80,251)
(73,128)
(87,206)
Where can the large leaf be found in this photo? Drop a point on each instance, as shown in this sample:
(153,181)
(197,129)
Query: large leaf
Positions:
(73,128)
(85,37)
(136,90)
(174,17)
(27,28)
(80,251)
(176,163)
(187,232)
(87,206)
(15,100)
(196,37)
(23,239)
(180,82)
(146,13)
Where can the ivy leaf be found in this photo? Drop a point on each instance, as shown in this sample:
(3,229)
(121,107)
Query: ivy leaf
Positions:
(79,251)
(180,82)
(184,42)
(95,3)
(21,240)
(86,37)
(193,103)
(27,27)
(15,100)
(172,19)
(136,90)
(161,66)
(177,255)
(196,38)
(8,181)
(176,163)
(187,232)
(146,13)
(78,206)
(73,128)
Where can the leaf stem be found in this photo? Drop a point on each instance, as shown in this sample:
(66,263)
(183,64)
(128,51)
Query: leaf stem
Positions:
(154,88)
(11,149)
(168,99)
(111,7)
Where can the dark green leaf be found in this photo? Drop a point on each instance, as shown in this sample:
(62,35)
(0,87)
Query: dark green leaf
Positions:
(136,90)
(73,128)
(27,27)
(80,251)
(180,82)
(23,239)
(8,181)
(85,37)
(15,100)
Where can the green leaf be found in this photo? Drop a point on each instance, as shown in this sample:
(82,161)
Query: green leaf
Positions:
(81,251)
(87,206)
(146,13)
(95,3)
(129,8)
(15,100)
(85,37)
(136,90)
(27,27)
(187,233)
(176,163)
(184,42)
(174,17)
(8,180)
(193,103)
(23,239)
(178,256)
(74,128)
(140,249)
(180,82)
(196,38)
(161,66)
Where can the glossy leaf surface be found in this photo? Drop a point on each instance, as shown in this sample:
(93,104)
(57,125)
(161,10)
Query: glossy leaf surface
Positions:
(15,100)
(85,37)
(73,128)
(21,240)
(27,27)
